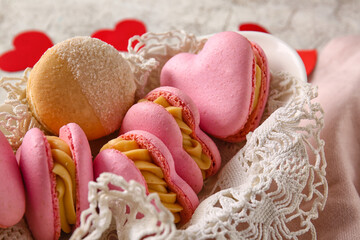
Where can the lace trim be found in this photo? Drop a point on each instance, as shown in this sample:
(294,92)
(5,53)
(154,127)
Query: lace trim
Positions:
(15,116)
(141,68)
(275,185)
(161,47)
(17,232)
(148,217)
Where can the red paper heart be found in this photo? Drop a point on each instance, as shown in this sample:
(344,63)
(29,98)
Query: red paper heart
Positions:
(309,58)
(28,48)
(119,37)
(252,27)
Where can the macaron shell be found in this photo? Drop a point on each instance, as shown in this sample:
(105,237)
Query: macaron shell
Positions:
(40,93)
(42,211)
(265,84)
(12,194)
(113,161)
(176,95)
(76,139)
(255,116)
(80,80)
(214,79)
(163,158)
(153,118)
(190,112)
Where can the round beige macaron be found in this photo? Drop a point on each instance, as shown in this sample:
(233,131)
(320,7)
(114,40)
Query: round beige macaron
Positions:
(82,80)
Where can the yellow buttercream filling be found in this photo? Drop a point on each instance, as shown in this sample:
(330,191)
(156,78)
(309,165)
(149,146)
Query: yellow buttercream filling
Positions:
(64,168)
(153,175)
(258,76)
(190,145)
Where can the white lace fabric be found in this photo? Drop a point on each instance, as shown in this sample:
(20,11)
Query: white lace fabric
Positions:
(15,117)
(271,187)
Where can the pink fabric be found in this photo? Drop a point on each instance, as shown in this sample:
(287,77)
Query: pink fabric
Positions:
(337,75)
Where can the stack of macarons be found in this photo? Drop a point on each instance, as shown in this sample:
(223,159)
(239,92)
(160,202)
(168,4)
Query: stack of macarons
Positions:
(161,142)
(53,189)
(173,117)
(221,91)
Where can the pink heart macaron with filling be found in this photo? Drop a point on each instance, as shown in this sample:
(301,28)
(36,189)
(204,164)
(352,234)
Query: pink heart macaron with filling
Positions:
(172,116)
(229,82)
(12,194)
(56,173)
(141,156)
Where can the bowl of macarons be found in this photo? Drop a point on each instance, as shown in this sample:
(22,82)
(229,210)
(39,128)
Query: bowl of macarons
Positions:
(83,94)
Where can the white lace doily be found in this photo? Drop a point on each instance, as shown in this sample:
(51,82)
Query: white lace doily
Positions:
(271,187)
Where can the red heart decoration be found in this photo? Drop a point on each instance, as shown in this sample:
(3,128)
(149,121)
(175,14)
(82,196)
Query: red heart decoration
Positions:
(309,58)
(252,27)
(119,37)
(29,46)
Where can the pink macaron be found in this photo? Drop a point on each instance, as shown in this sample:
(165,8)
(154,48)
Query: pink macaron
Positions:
(141,156)
(12,194)
(172,116)
(56,172)
(229,82)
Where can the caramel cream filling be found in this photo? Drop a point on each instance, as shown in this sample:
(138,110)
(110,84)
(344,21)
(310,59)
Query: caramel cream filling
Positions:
(152,173)
(190,145)
(64,168)
(258,76)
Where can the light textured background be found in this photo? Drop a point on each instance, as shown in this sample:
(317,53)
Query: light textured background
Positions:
(302,24)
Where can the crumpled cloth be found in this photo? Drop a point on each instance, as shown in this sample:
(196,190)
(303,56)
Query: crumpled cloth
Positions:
(337,75)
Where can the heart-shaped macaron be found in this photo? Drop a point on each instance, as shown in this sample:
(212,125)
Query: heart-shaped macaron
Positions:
(119,37)
(172,116)
(228,81)
(28,48)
